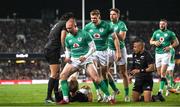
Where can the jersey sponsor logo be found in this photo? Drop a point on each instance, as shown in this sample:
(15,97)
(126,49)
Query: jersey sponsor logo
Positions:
(79,39)
(96,35)
(161,39)
(101,30)
(75,45)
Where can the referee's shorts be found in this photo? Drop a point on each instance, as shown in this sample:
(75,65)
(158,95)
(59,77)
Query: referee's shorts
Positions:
(52,56)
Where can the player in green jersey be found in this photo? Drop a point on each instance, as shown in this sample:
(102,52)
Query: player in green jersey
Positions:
(99,30)
(79,48)
(120,28)
(164,40)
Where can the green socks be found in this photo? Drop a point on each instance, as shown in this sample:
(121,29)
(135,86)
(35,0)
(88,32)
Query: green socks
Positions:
(171,81)
(64,87)
(96,85)
(126,91)
(162,83)
(113,86)
(104,88)
(106,82)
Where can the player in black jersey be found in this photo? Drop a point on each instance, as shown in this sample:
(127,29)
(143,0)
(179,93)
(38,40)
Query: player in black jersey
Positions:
(84,94)
(142,68)
(52,51)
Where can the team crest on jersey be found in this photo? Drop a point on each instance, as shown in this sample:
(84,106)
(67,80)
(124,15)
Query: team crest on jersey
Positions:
(96,35)
(90,30)
(75,45)
(101,30)
(165,34)
(79,39)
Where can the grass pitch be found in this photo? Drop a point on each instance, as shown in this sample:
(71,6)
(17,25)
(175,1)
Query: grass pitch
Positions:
(34,95)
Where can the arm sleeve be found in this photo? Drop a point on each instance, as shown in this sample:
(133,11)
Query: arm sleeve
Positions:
(85,28)
(153,36)
(123,27)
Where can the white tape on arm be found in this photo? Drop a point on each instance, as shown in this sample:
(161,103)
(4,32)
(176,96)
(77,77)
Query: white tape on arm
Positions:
(91,50)
(67,53)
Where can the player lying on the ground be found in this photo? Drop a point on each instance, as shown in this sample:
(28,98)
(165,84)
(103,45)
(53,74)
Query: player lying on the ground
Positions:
(83,94)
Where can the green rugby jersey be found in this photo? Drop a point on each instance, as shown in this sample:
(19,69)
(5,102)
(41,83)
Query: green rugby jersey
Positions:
(117,27)
(78,44)
(111,42)
(99,34)
(165,37)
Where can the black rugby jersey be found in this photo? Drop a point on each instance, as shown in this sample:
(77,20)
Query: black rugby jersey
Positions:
(54,38)
(141,61)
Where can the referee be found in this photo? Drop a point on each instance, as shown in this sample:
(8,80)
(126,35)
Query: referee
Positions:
(142,68)
(52,51)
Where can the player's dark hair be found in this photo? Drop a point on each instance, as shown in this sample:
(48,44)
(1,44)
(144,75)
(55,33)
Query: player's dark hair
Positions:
(138,40)
(115,9)
(67,16)
(164,20)
(95,12)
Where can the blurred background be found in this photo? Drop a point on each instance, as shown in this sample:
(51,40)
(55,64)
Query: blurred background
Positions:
(25,24)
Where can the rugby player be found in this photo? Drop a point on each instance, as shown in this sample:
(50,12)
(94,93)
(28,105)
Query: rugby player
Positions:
(163,39)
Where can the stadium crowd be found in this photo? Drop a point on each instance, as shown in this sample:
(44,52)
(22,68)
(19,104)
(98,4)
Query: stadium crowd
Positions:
(22,36)
(30,36)
(11,71)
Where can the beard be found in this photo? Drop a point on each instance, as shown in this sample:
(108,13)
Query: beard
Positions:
(114,20)
(163,28)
